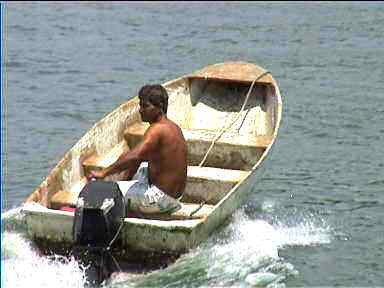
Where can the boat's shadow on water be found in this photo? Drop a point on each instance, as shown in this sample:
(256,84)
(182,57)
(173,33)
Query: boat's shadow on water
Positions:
(101,266)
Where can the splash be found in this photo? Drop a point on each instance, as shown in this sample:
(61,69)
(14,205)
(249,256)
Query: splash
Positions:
(294,227)
(250,253)
(13,219)
(11,213)
(24,266)
(248,256)
(305,233)
(245,253)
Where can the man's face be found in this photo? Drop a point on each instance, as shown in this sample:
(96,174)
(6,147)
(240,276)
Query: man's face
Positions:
(148,111)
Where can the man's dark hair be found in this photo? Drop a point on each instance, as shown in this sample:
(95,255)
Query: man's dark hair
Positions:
(155,94)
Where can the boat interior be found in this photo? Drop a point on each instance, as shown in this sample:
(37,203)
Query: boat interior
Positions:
(203,108)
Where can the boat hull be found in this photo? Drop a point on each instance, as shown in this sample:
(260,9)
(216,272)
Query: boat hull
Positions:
(176,236)
(48,225)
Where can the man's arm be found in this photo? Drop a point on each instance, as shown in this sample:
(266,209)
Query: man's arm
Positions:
(131,160)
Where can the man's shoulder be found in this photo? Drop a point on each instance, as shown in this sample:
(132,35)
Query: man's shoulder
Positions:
(163,125)
(173,127)
(167,126)
(152,131)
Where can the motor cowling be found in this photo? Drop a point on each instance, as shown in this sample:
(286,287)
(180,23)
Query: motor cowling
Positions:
(98,215)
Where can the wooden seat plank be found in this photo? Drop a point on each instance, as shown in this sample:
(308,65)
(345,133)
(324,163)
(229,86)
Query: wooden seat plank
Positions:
(135,133)
(96,162)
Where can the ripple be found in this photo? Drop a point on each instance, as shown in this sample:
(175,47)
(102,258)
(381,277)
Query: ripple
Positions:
(65,28)
(321,135)
(131,22)
(123,69)
(18,27)
(107,81)
(376,182)
(14,64)
(225,41)
(73,71)
(86,85)
(47,72)
(365,204)
(352,126)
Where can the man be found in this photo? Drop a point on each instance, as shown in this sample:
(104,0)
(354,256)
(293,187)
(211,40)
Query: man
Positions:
(160,160)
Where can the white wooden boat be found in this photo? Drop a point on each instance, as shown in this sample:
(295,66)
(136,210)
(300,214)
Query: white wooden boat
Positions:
(207,105)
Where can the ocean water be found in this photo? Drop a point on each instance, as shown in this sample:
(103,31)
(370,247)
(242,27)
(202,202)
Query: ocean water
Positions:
(316,216)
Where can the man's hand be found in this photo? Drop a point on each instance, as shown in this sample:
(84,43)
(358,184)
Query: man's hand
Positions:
(96,175)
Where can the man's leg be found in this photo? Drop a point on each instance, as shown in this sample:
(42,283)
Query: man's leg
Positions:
(141,197)
(156,201)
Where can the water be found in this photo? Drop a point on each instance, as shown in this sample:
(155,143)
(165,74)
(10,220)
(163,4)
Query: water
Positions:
(315,218)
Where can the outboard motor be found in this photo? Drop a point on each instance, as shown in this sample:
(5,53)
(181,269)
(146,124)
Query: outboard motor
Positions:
(98,219)
(98,215)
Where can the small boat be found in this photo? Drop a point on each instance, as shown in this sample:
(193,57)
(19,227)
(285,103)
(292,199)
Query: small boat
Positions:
(229,114)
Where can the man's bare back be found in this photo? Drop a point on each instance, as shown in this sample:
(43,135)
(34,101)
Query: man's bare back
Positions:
(167,163)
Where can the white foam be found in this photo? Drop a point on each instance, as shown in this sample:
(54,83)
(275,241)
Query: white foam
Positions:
(10,213)
(305,233)
(252,253)
(23,266)
(261,279)
(252,246)
(249,254)
(268,206)
(12,219)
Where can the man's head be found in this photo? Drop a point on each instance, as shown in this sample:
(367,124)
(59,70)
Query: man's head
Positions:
(153,102)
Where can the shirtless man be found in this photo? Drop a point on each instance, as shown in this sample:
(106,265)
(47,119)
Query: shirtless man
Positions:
(157,187)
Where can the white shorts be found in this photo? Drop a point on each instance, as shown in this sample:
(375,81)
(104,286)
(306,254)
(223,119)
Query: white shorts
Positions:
(142,197)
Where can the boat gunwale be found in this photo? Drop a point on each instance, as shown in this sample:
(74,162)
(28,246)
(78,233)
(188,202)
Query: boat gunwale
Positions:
(153,222)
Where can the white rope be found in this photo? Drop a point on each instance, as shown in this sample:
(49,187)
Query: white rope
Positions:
(222,132)
(224,129)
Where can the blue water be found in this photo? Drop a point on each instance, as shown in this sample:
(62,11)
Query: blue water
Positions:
(316,217)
